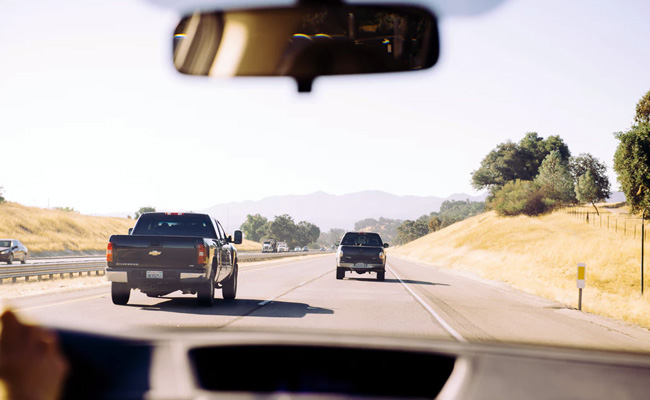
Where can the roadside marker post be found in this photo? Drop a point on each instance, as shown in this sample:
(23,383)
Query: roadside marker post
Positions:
(582,269)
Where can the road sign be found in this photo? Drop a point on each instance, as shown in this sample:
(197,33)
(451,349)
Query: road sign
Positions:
(582,269)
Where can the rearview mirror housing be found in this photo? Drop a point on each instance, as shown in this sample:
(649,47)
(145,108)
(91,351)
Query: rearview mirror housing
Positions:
(306,41)
(238,237)
(385,245)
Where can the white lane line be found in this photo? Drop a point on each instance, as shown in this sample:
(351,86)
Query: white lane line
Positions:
(265,302)
(60,303)
(430,310)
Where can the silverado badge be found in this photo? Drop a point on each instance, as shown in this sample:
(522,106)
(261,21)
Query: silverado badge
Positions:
(154,253)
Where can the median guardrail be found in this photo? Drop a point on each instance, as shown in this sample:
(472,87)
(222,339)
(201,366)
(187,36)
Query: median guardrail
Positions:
(39,271)
(73,268)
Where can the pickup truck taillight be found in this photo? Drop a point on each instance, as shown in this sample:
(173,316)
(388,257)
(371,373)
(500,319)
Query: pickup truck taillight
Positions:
(201,254)
(109,252)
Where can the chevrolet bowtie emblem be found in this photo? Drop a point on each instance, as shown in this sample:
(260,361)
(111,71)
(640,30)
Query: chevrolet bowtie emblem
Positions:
(154,253)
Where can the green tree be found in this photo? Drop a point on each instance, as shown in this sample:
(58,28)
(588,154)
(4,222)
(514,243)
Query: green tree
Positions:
(555,181)
(386,227)
(501,165)
(579,166)
(143,210)
(307,233)
(283,228)
(518,197)
(587,190)
(2,199)
(643,110)
(632,165)
(452,211)
(411,230)
(510,161)
(435,224)
(253,227)
(65,209)
(327,239)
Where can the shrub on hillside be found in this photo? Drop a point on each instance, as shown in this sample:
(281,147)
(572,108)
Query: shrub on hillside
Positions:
(519,197)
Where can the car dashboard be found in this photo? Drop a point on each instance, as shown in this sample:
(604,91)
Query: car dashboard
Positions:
(269,365)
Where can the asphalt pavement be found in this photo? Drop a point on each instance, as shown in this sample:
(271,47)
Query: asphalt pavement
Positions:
(303,294)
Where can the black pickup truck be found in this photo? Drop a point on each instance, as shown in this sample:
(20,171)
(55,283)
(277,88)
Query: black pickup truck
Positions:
(361,252)
(165,252)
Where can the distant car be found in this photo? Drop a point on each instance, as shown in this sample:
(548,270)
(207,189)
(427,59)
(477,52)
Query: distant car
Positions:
(322,248)
(305,248)
(12,250)
(297,248)
(282,247)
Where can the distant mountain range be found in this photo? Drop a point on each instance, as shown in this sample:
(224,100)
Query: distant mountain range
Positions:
(331,211)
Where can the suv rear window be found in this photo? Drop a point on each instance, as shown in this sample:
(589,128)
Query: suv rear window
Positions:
(174,225)
(361,239)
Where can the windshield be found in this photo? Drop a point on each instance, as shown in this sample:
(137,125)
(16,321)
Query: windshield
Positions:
(493,176)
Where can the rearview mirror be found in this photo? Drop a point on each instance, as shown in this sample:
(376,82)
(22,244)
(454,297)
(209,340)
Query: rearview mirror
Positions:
(306,41)
(238,237)
(385,245)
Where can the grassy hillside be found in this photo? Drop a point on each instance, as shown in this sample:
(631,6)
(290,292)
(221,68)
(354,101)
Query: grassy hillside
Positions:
(52,231)
(249,246)
(539,255)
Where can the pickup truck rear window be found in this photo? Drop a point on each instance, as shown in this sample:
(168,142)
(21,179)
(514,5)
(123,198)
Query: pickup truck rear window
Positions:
(175,225)
(361,239)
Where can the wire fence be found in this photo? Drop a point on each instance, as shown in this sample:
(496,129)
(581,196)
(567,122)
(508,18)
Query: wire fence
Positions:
(620,223)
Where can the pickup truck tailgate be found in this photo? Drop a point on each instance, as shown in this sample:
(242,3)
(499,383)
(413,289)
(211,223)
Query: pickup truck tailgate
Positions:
(155,251)
(361,254)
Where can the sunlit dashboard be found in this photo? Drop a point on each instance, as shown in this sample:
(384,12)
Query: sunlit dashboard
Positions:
(245,365)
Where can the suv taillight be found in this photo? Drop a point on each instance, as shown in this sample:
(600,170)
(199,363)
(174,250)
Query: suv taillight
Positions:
(109,252)
(201,254)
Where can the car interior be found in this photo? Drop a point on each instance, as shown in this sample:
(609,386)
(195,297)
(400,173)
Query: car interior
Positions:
(303,41)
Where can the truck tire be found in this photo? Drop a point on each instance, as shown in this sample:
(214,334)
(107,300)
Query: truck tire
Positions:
(381,275)
(229,285)
(340,273)
(205,293)
(120,293)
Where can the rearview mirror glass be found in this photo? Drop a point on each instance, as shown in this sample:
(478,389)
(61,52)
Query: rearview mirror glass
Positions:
(305,42)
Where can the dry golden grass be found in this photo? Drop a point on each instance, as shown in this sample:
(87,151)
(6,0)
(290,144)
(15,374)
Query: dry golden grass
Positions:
(53,231)
(540,254)
(249,246)
(45,231)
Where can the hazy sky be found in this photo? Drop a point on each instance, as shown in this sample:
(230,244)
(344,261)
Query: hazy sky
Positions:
(93,115)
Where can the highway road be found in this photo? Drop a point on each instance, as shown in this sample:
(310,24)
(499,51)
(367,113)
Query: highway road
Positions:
(303,294)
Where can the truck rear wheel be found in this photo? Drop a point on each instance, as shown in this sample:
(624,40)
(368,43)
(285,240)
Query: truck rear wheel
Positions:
(229,291)
(381,275)
(340,273)
(120,293)
(205,293)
